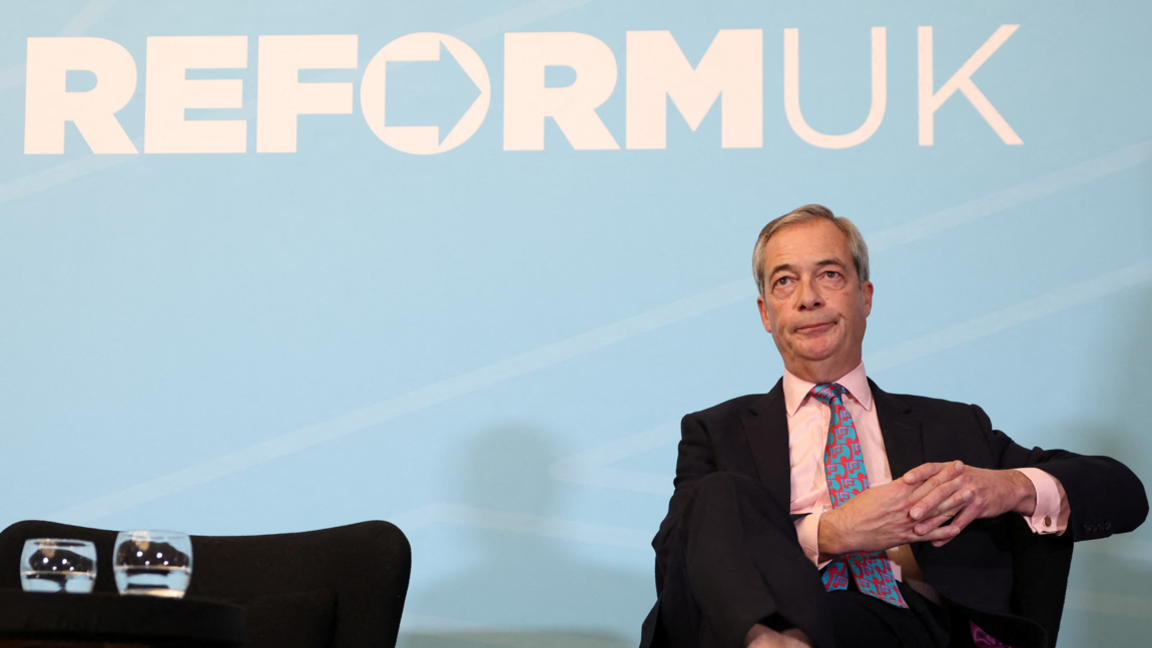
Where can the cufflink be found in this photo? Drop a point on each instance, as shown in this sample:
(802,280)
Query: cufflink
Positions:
(1047,520)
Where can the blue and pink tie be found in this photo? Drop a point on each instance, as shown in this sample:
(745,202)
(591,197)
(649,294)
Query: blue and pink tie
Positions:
(844,469)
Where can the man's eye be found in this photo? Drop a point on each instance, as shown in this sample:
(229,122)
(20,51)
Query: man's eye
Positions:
(783,281)
(831,274)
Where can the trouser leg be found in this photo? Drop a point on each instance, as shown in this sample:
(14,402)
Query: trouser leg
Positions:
(737,562)
(862,621)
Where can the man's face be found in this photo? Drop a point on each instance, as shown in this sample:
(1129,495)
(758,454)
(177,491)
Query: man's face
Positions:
(814,305)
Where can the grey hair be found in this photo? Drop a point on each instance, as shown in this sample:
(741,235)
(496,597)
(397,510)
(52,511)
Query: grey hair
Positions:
(806,214)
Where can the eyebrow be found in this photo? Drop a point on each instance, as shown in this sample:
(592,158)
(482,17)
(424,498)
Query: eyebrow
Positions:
(819,264)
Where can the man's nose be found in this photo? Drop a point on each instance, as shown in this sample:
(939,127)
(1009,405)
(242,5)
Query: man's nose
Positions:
(809,295)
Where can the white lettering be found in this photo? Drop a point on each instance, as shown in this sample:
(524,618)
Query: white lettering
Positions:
(168,93)
(48,105)
(962,81)
(527,101)
(731,72)
(423,140)
(280,97)
(732,66)
(792,93)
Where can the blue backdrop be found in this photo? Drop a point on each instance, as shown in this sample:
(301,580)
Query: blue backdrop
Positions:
(489,337)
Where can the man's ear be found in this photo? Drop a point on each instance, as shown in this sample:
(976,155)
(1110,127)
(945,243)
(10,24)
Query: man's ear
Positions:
(764,318)
(866,291)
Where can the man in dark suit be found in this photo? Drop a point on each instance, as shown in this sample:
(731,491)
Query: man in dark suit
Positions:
(830,513)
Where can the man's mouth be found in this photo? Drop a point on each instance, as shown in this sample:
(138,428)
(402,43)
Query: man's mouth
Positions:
(815,327)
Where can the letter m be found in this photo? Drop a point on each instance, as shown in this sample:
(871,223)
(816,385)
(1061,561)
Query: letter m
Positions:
(733,67)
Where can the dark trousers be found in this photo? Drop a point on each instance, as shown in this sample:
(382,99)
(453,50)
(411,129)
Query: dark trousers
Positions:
(736,562)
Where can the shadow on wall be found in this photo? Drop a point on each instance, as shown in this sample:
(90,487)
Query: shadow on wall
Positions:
(1110,588)
(524,576)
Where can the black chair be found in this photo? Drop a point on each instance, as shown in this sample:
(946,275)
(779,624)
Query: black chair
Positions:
(333,588)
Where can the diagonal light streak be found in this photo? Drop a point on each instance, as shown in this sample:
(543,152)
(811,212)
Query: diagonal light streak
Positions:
(86,17)
(92,163)
(404,404)
(63,173)
(570,348)
(996,321)
(585,343)
(1042,187)
(515,18)
(80,23)
(593,467)
(522,523)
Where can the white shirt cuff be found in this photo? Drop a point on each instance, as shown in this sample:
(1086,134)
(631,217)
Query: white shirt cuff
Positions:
(808,532)
(1045,519)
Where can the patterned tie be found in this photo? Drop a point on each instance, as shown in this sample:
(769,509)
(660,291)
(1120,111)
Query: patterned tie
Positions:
(844,468)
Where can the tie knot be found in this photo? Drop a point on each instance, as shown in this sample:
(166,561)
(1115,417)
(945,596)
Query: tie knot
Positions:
(828,393)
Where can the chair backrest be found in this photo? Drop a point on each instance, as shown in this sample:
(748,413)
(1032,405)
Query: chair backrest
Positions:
(334,588)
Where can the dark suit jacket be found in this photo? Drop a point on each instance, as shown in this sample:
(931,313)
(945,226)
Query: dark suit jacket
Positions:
(994,566)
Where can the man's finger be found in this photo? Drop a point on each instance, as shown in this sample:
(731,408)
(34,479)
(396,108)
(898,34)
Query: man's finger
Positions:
(947,471)
(932,493)
(963,519)
(926,503)
(939,536)
(923,472)
(924,526)
(951,504)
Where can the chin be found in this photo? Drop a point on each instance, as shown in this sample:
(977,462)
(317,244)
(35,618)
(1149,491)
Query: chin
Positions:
(816,353)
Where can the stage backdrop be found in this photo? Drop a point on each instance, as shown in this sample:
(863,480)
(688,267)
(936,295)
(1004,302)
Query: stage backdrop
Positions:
(275,266)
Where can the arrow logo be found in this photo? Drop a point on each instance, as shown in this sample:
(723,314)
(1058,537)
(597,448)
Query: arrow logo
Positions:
(423,140)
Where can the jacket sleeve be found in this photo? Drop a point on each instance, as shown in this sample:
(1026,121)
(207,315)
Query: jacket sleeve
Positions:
(1104,496)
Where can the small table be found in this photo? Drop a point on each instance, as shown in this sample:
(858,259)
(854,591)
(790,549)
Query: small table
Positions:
(102,620)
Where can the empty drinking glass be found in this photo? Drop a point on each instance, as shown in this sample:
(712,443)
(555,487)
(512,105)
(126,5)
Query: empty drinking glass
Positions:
(58,565)
(154,563)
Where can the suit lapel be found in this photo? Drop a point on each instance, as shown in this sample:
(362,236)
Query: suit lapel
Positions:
(901,431)
(766,428)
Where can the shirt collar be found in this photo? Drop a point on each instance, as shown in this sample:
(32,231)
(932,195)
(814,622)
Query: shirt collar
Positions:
(797,390)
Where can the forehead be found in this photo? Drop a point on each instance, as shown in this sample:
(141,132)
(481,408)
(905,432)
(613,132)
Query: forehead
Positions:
(807,243)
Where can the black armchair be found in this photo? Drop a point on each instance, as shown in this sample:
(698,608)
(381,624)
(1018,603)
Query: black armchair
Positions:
(334,588)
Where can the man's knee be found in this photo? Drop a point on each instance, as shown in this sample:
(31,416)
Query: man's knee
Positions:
(723,489)
(729,486)
(722,486)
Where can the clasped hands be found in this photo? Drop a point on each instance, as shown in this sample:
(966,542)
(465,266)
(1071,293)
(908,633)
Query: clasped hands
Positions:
(916,507)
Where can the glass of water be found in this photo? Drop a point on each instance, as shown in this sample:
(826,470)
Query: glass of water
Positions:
(58,565)
(152,563)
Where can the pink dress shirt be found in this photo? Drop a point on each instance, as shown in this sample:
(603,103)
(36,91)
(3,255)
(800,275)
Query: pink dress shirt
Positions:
(808,420)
